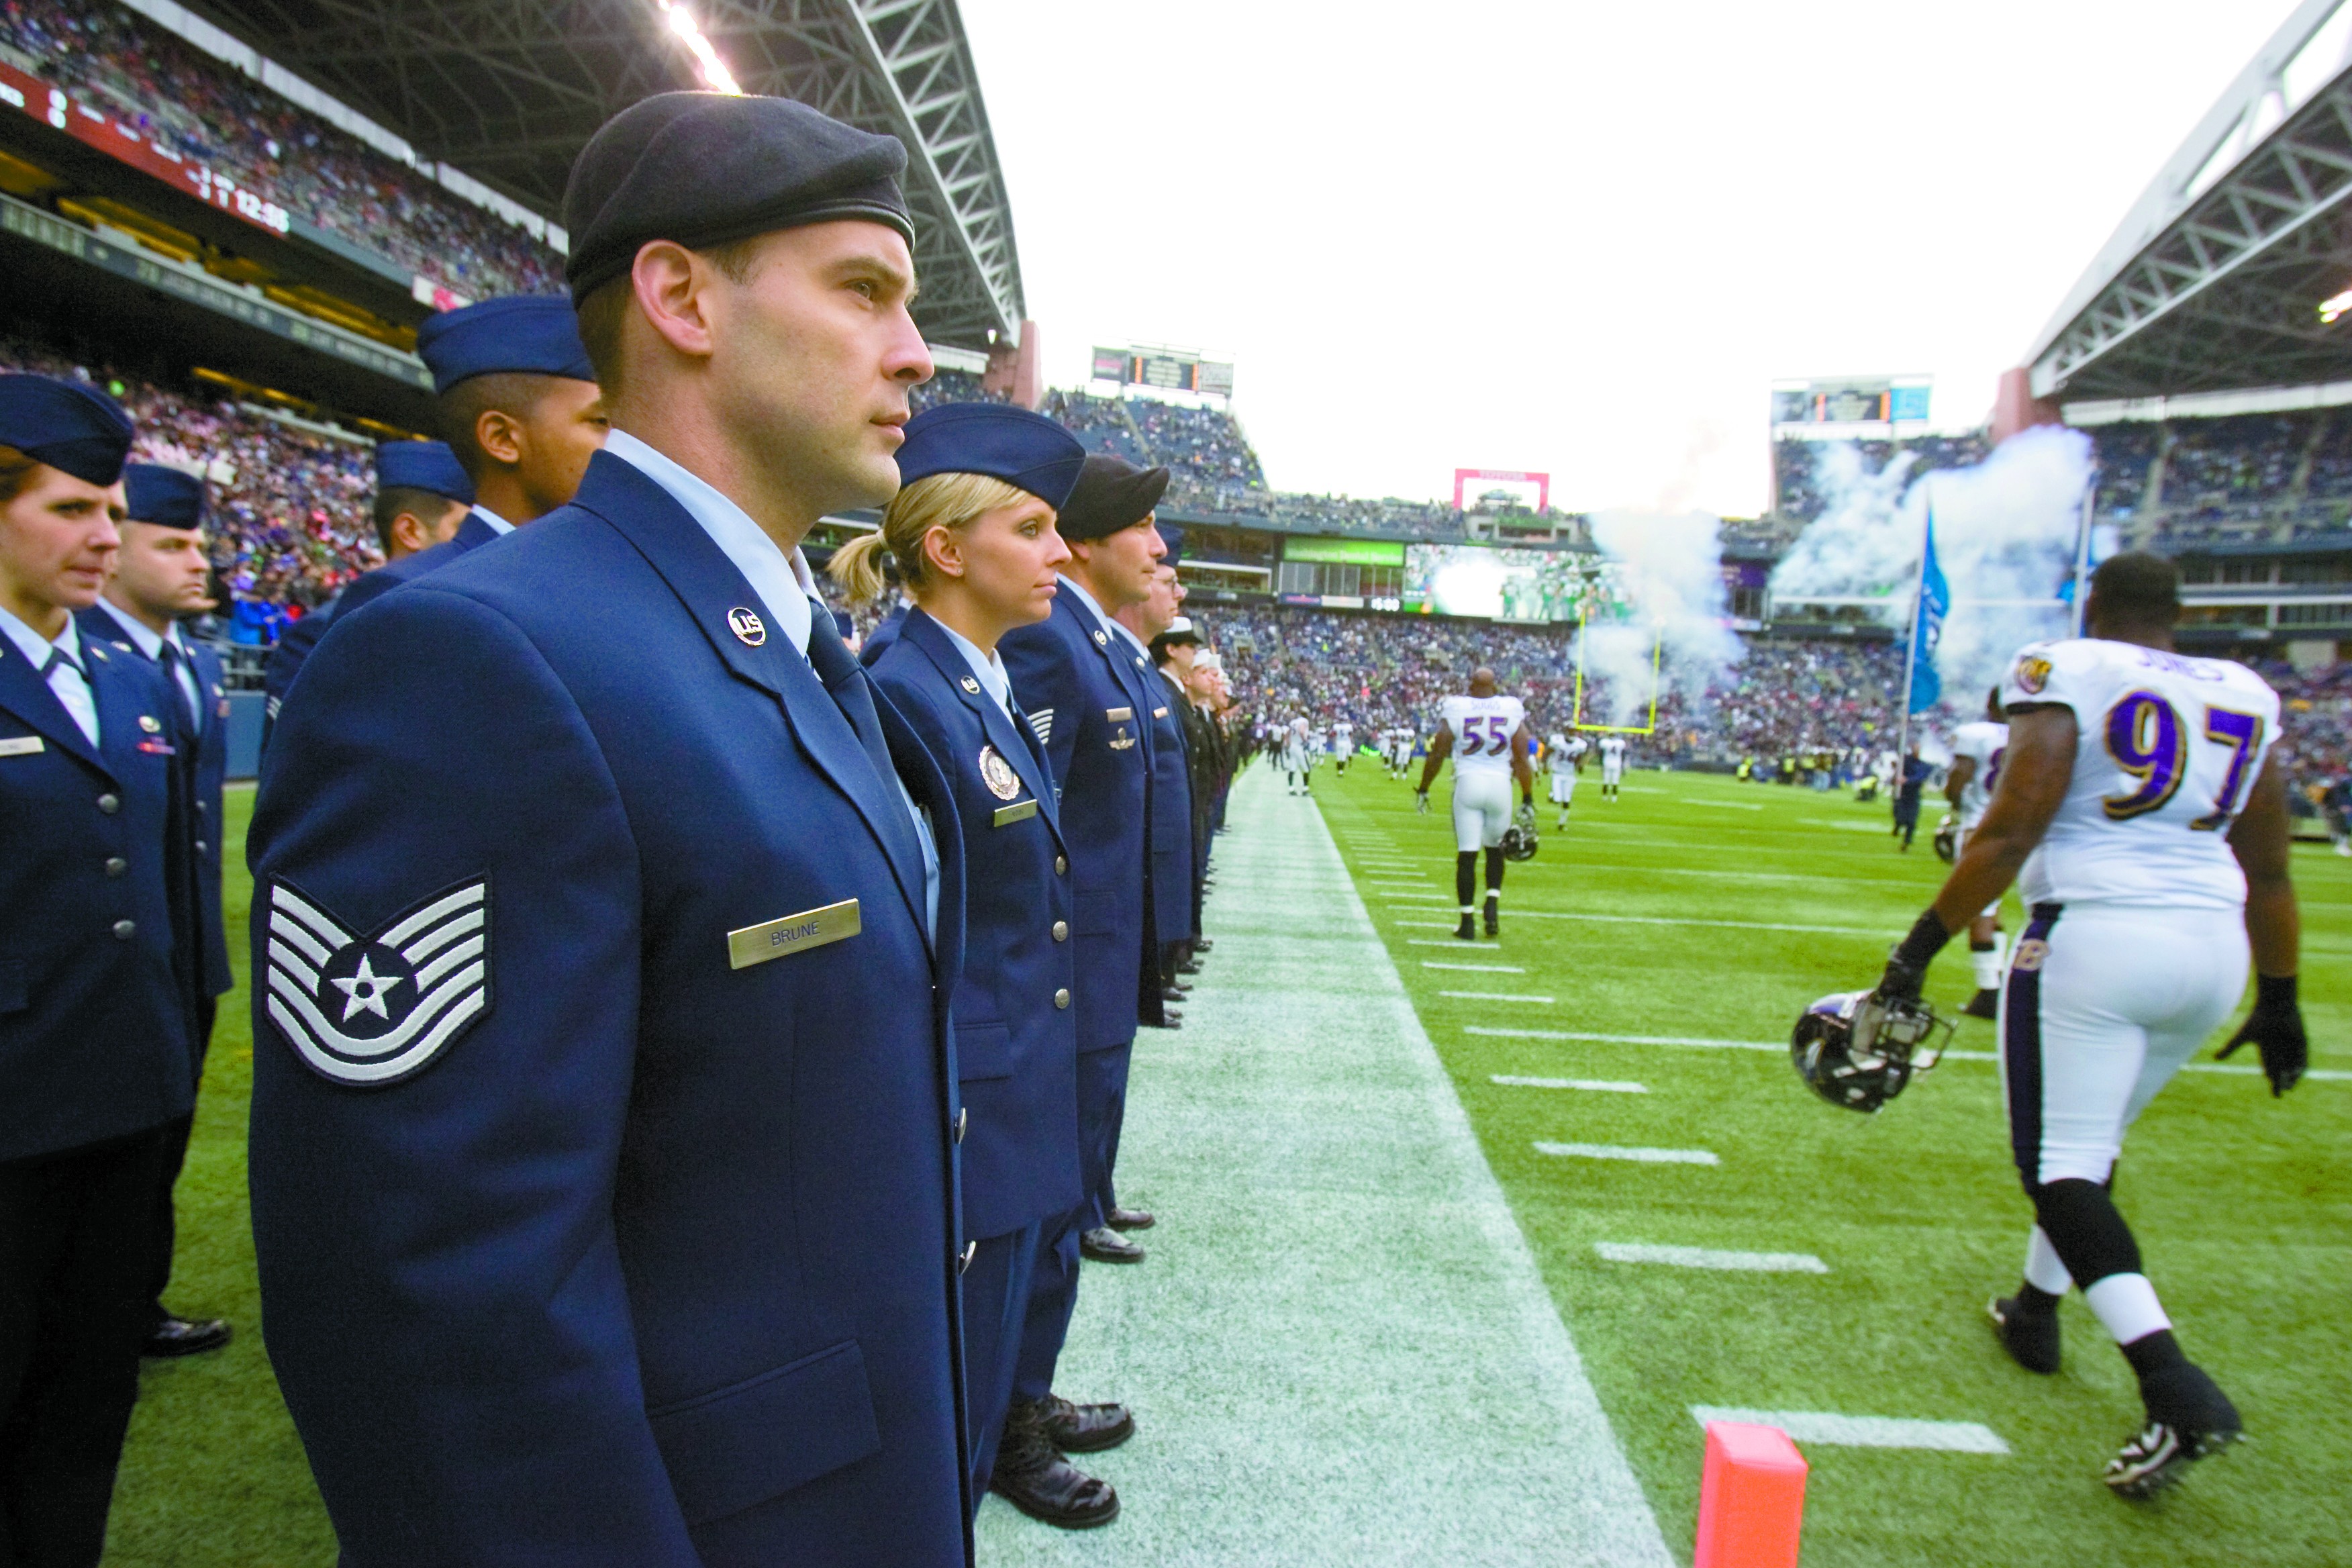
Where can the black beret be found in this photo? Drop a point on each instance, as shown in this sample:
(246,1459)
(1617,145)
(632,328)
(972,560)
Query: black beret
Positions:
(73,428)
(1111,494)
(166,497)
(704,168)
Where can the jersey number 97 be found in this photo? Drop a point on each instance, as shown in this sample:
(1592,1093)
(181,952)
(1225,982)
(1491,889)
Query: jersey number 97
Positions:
(2149,740)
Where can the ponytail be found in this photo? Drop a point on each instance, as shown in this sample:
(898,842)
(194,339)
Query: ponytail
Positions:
(857,567)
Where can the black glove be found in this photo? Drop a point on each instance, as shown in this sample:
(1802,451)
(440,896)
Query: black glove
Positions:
(1907,966)
(2275,1027)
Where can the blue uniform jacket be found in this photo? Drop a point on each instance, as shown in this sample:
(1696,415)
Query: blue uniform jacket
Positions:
(94,889)
(1016,1049)
(1072,680)
(1171,809)
(886,632)
(471,535)
(285,661)
(653,1260)
(203,754)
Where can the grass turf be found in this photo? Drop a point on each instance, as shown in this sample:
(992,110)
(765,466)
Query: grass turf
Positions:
(2242,1203)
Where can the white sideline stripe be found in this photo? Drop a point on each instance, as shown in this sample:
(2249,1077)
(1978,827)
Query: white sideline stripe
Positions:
(1625,1039)
(1527,913)
(1863,1431)
(1486,944)
(2238,1069)
(1423,925)
(1474,968)
(1495,996)
(1626,1152)
(1886,828)
(1597,1084)
(1708,1258)
(1727,805)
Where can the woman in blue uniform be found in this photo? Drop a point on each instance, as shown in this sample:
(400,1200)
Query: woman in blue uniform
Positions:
(96,1063)
(972,533)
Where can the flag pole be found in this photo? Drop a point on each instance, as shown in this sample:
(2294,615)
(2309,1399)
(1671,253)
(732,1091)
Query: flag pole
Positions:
(1911,640)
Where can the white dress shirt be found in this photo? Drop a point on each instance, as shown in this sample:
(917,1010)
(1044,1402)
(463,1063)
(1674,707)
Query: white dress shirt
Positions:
(986,668)
(786,591)
(150,643)
(71,686)
(498,524)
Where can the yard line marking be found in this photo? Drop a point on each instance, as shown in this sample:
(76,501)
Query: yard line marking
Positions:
(1709,1257)
(2239,1070)
(1623,1151)
(1598,1085)
(1456,944)
(1523,912)
(1625,1039)
(1729,804)
(1424,925)
(1474,968)
(1863,1431)
(1886,829)
(1495,996)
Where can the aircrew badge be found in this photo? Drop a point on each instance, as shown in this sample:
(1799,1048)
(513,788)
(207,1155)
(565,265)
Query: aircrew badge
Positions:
(749,628)
(367,1010)
(998,774)
(2032,673)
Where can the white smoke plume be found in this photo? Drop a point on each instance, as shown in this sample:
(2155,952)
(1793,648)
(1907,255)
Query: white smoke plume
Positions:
(2006,535)
(1666,579)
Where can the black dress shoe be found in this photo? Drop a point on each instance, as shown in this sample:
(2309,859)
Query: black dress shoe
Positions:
(178,1336)
(1131,1219)
(1173,993)
(1190,966)
(1104,1245)
(1032,1475)
(1202,944)
(1085,1428)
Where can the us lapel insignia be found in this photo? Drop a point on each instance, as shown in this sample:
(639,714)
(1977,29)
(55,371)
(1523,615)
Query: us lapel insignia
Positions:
(971,686)
(370,1010)
(149,722)
(1102,639)
(998,774)
(749,628)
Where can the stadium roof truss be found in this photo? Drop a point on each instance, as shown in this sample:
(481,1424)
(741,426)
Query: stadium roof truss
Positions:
(508,91)
(2215,279)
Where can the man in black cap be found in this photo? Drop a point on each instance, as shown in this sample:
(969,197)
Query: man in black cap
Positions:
(1088,702)
(161,576)
(603,1164)
(1171,825)
(1173,651)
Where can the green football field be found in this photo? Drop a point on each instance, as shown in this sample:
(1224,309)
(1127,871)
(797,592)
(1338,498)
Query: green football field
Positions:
(1646,945)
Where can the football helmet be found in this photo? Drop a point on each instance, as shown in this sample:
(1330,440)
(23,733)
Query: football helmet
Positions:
(1518,843)
(1948,839)
(1858,1051)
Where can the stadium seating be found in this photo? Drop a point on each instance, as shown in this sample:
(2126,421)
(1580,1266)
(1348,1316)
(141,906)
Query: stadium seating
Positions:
(207,111)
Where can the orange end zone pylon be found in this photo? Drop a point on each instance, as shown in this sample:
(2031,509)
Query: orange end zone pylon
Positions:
(1752,1498)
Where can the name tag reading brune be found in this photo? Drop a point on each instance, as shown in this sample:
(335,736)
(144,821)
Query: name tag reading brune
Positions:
(1019,811)
(22,747)
(793,933)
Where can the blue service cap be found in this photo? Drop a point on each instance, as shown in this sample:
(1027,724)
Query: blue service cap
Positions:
(530,334)
(166,497)
(704,168)
(73,428)
(422,466)
(1026,450)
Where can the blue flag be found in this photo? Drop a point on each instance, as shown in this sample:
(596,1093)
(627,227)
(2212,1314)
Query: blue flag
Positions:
(1927,628)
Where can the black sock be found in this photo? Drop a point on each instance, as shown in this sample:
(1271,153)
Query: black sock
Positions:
(1495,870)
(2151,1354)
(2089,1236)
(2034,1301)
(1466,877)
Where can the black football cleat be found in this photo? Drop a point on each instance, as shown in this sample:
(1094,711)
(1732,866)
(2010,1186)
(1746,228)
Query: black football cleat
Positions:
(1494,917)
(1467,931)
(1985,1003)
(176,1336)
(2030,1338)
(2189,1418)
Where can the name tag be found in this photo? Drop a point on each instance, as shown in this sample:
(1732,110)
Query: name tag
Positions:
(1118,714)
(1019,811)
(23,746)
(774,939)
(1159,713)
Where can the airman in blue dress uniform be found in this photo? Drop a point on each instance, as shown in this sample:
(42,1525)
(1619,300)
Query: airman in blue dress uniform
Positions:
(972,532)
(603,1159)
(161,574)
(1172,802)
(421,497)
(1084,697)
(97,1065)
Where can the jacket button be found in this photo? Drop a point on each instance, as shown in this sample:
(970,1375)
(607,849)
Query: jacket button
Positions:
(116,865)
(202,809)
(202,847)
(1061,862)
(964,1260)
(1061,931)
(110,802)
(125,929)
(1061,997)
(964,1114)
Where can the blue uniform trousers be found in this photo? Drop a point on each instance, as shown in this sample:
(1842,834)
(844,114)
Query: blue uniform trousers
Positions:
(995,1315)
(1054,1290)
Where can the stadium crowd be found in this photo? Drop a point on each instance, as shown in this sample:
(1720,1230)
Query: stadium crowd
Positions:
(204,110)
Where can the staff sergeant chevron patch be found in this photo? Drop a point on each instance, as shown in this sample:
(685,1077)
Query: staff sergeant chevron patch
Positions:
(372,1010)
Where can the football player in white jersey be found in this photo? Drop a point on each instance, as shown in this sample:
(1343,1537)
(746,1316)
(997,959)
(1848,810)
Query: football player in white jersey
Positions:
(1564,759)
(1343,745)
(1486,735)
(2138,797)
(1968,784)
(1297,757)
(1612,764)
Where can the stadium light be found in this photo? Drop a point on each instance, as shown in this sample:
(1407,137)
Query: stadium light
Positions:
(715,74)
(2332,307)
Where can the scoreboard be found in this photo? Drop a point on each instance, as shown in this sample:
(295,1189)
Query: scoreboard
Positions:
(1886,400)
(1164,370)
